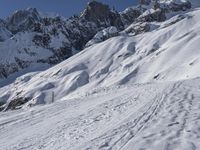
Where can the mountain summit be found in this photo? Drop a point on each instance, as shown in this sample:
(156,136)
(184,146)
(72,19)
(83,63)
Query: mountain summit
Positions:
(100,13)
(23,20)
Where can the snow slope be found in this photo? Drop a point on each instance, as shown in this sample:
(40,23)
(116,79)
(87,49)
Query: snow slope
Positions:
(156,116)
(167,53)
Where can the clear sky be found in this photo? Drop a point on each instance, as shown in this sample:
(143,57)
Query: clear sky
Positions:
(63,7)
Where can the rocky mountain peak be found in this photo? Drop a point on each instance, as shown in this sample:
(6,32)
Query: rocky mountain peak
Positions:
(101,14)
(23,19)
(96,9)
(20,15)
(96,4)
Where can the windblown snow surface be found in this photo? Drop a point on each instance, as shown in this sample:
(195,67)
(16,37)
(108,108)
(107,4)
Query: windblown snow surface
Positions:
(129,92)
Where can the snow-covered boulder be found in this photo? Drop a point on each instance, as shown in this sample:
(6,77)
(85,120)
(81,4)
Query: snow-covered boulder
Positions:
(137,28)
(103,35)
(152,15)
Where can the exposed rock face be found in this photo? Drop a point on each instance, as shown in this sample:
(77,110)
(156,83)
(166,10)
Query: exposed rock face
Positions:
(16,103)
(42,40)
(1,106)
(6,69)
(129,15)
(101,15)
(23,20)
(175,6)
(80,31)
(4,32)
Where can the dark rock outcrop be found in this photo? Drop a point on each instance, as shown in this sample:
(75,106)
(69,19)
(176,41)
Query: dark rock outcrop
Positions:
(129,15)
(23,20)
(101,15)
(137,28)
(16,103)
(152,15)
(173,6)
(4,32)
(42,40)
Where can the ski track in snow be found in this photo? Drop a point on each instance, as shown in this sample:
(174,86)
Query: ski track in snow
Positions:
(177,125)
(152,116)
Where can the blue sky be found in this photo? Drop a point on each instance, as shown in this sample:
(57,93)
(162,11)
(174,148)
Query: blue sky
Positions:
(63,7)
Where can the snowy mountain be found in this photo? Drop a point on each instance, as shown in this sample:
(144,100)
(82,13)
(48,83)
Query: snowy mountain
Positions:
(36,42)
(38,39)
(134,83)
(52,39)
(118,61)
